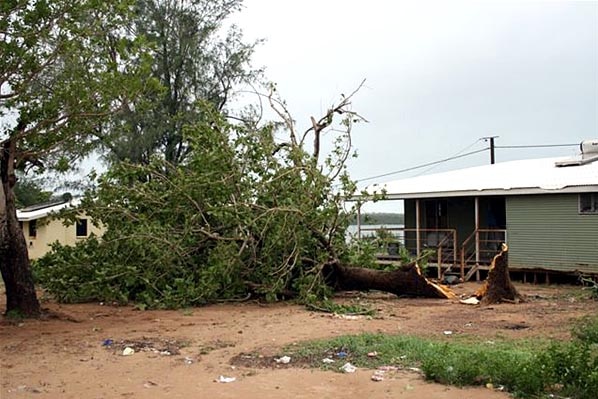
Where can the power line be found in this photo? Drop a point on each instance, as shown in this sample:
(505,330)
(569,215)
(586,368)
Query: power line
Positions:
(537,146)
(424,165)
(465,155)
(454,155)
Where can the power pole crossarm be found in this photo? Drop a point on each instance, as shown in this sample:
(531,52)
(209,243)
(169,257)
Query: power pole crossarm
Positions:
(491,139)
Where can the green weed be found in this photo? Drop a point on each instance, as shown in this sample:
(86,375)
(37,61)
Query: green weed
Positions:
(524,368)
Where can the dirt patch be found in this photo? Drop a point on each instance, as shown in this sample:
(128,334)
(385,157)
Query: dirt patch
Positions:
(59,358)
(161,346)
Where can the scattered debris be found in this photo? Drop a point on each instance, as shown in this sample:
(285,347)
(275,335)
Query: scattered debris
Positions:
(188,360)
(150,384)
(382,372)
(327,360)
(378,376)
(451,279)
(372,354)
(224,380)
(161,346)
(470,301)
(283,360)
(348,316)
(128,351)
(348,368)
(341,354)
(447,332)
(26,388)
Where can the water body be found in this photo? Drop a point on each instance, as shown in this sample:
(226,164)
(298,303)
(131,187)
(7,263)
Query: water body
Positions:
(352,230)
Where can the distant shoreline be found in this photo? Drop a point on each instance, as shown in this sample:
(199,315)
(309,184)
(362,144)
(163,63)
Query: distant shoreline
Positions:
(382,218)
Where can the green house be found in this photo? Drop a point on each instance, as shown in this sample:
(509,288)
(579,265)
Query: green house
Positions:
(546,210)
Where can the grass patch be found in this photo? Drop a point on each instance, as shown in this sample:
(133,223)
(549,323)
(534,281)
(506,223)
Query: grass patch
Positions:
(524,368)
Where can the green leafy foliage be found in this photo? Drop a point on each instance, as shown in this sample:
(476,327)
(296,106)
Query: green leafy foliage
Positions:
(193,59)
(243,215)
(28,192)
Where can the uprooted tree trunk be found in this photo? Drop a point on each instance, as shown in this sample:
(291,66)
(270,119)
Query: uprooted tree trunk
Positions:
(498,286)
(407,281)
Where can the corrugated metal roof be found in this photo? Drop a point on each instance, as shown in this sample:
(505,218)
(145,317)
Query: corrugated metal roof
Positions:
(36,212)
(531,176)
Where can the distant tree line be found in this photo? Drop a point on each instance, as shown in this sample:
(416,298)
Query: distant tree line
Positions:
(379,218)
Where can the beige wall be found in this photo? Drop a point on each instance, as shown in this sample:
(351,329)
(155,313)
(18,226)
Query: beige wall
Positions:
(49,231)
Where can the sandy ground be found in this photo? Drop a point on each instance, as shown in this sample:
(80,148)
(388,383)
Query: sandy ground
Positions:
(180,354)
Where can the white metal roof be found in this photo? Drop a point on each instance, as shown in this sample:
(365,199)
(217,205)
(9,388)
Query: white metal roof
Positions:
(532,176)
(24,215)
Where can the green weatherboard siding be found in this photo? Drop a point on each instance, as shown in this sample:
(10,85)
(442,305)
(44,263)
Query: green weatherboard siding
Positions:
(547,232)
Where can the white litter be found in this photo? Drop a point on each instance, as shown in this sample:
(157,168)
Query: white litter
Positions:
(348,368)
(378,376)
(470,301)
(128,351)
(283,360)
(447,332)
(224,380)
(327,360)
(347,316)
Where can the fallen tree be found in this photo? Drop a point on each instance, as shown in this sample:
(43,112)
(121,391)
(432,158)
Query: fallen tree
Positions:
(246,214)
(498,286)
(406,281)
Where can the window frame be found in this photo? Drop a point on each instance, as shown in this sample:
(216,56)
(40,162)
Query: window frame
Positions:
(32,228)
(593,200)
(81,224)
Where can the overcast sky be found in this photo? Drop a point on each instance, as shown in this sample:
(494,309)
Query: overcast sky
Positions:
(439,74)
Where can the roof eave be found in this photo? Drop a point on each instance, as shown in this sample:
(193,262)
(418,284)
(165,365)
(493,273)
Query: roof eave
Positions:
(484,193)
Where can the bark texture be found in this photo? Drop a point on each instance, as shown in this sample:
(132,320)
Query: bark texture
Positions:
(407,281)
(498,286)
(14,257)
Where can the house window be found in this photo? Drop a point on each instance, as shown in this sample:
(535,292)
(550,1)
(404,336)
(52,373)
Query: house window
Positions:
(81,227)
(588,203)
(33,228)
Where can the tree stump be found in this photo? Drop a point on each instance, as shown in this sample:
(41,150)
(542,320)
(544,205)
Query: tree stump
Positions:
(407,281)
(498,286)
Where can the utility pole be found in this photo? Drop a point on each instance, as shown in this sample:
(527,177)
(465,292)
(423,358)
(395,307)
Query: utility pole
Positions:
(491,139)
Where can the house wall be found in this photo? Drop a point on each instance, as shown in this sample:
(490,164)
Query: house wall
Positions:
(49,231)
(547,232)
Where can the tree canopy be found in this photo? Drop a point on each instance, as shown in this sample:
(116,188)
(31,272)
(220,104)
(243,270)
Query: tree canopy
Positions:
(28,191)
(65,66)
(193,59)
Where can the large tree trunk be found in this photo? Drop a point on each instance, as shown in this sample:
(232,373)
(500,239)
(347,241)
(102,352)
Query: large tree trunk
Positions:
(14,258)
(498,286)
(407,281)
